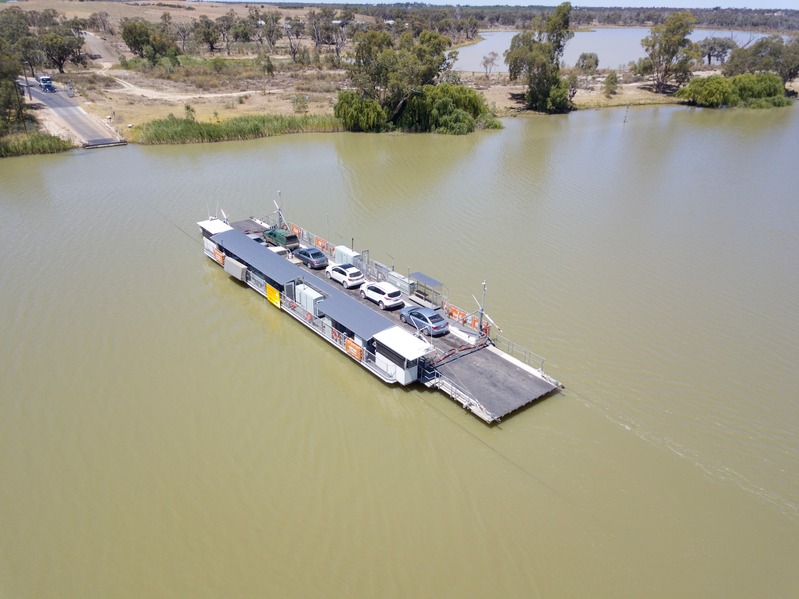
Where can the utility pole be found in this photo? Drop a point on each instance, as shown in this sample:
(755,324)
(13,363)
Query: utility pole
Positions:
(482,311)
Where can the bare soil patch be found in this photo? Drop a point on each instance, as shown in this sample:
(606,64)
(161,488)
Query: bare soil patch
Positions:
(126,99)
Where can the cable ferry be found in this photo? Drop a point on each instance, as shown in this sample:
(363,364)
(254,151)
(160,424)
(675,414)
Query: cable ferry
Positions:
(467,364)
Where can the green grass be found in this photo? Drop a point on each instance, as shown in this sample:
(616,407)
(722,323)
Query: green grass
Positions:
(22,144)
(173,130)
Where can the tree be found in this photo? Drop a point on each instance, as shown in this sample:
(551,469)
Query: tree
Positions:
(136,35)
(716,48)
(768,54)
(535,55)
(489,62)
(60,47)
(358,113)
(224,24)
(670,50)
(183,31)
(272,29)
(712,91)
(611,84)
(760,90)
(396,84)
(99,21)
(12,106)
(206,32)
(13,25)
(588,62)
(294,42)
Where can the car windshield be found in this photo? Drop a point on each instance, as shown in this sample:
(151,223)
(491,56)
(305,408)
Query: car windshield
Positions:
(436,318)
(316,254)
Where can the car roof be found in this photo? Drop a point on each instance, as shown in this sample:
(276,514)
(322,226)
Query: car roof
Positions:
(423,310)
(387,287)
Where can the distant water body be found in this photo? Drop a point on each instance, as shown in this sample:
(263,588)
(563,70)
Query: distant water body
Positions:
(615,47)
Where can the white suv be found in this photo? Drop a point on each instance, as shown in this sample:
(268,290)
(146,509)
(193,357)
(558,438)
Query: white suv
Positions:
(383,294)
(346,274)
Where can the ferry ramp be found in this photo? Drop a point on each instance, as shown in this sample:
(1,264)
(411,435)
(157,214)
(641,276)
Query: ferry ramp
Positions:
(498,383)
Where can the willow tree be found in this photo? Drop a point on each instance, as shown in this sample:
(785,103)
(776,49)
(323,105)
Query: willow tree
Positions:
(387,73)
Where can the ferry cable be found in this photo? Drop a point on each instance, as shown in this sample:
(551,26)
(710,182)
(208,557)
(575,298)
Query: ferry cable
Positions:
(506,458)
(174,224)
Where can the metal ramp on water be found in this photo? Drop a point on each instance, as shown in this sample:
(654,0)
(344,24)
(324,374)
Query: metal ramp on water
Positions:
(488,382)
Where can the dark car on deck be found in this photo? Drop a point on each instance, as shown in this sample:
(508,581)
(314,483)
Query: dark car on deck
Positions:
(311,257)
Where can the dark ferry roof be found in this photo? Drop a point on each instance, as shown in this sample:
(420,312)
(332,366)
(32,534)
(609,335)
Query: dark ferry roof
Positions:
(337,304)
(277,268)
(349,312)
(423,278)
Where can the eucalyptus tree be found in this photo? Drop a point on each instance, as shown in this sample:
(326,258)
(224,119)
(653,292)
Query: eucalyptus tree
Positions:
(717,48)
(206,32)
(768,54)
(670,50)
(396,84)
(535,54)
(61,46)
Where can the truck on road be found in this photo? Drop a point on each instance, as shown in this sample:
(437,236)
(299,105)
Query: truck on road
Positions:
(46,83)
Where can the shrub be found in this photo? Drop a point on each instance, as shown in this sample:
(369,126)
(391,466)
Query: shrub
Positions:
(358,114)
(173,130)
(753,90)
(446,108)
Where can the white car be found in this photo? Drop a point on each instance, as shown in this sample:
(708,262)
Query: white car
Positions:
(346,274)
(383,294)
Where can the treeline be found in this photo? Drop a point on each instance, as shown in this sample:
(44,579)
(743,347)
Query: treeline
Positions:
(463,21)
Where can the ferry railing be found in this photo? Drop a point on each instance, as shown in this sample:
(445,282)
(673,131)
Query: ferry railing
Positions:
(324,327)
(519,352)
(431,377)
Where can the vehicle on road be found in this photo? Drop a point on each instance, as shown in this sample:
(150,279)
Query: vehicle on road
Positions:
(43,80)
(427,320)
(311,257)
(346,274)
(49,88)
(283,237)
(383,294)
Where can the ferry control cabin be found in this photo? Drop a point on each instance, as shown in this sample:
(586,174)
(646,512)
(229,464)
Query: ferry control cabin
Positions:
(371,339)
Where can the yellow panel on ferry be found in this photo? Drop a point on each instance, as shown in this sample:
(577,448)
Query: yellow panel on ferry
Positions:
(273,295)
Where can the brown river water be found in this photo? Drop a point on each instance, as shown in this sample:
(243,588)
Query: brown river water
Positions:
(165,432)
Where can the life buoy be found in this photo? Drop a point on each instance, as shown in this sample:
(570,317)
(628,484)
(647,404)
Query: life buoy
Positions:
(308,317)
(335,335)
(292,305)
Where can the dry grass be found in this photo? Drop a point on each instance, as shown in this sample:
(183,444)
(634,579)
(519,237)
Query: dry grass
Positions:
(230,86)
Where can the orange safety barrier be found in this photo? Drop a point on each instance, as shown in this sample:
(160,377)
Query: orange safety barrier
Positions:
(321,244)
(296,230)
(219,257)
(457,314)
(353,349)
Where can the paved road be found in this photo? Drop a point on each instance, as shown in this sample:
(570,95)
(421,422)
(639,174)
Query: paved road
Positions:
(89,129)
